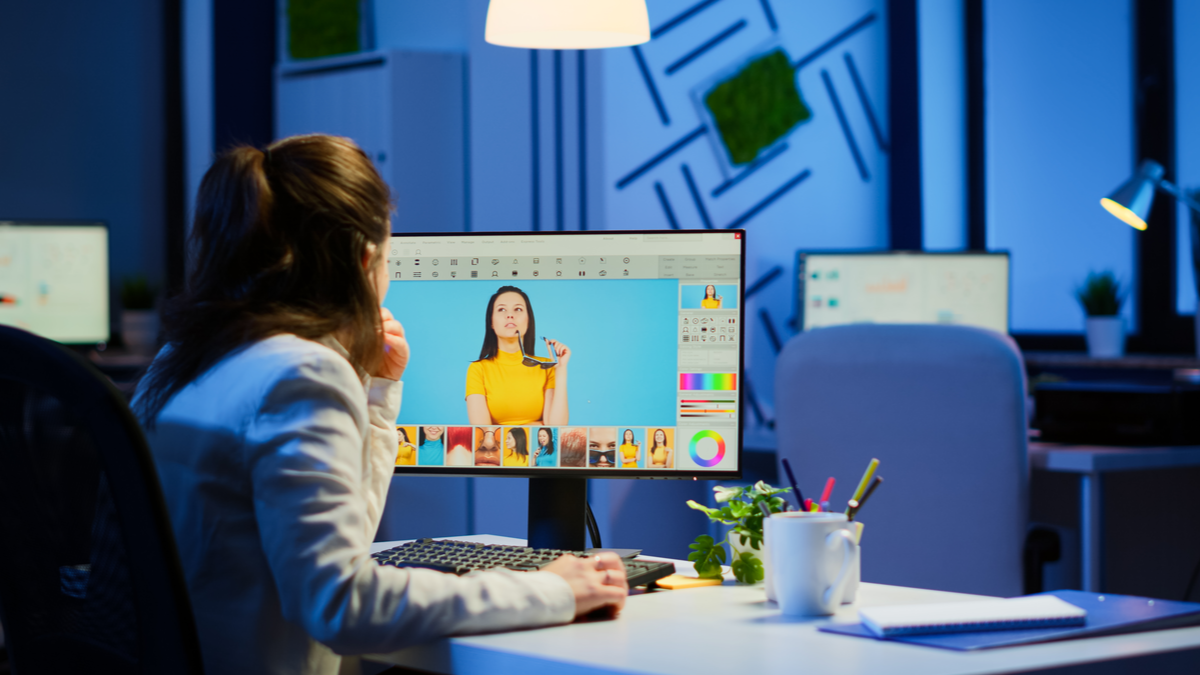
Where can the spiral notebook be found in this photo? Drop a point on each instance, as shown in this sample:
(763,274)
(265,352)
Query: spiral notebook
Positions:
(1107,614)
(1035,611)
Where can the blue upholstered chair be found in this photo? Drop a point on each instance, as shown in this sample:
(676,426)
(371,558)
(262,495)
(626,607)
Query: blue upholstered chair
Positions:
(943,408)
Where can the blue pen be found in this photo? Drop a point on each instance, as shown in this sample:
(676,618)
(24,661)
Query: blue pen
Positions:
(792,479)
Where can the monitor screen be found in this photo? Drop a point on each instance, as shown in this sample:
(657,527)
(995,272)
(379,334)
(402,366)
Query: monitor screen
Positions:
(653,325)
(902,287)
(54,280)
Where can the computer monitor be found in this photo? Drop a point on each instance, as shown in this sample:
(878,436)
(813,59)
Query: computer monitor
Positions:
(654,325)
(54,279)
(967,288)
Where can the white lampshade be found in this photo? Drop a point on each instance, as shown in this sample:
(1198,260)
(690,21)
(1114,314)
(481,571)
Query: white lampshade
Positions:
(567,24)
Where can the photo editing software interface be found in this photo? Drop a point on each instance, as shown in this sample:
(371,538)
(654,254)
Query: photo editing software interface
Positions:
(647,335)
(54,280)
(903,287)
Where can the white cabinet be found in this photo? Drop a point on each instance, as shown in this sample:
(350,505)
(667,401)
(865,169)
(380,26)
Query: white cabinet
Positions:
(407,110)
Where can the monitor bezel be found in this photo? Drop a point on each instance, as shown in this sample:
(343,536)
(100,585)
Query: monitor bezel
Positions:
(62,222)
(590,472)
(798,276)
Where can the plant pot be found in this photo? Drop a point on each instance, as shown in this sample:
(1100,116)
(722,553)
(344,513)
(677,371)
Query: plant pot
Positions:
(736,548)
(1105,337)
(139,329)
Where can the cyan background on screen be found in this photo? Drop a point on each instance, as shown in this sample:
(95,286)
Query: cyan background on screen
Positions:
(692,294)
(621,334)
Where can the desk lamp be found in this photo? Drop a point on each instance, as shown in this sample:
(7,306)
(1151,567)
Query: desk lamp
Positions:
(567,24)
(1131,203)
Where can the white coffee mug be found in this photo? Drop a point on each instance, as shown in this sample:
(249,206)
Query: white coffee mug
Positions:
(855,574)
(812,556)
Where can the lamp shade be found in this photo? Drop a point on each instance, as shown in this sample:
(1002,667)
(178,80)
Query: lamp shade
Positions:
(1132,201)
(567,24)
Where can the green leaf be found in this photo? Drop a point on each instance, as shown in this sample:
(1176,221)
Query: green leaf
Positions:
(748,569)
(707,558)
(1101,294)
(739,510)
(724,494)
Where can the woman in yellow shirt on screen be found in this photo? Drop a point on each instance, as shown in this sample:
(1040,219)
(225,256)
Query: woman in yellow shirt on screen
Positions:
(662,456)
(711,299)
(408,451)
(508,384)
(631,451)
(516,448)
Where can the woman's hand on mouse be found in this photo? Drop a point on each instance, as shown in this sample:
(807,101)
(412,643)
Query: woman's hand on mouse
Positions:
(597,581)
(395,348)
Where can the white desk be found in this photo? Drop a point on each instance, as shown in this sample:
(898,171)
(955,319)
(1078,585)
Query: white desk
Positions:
(731,629)
(1091,462)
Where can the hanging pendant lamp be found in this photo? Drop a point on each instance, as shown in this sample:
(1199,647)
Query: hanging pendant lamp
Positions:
(567,24)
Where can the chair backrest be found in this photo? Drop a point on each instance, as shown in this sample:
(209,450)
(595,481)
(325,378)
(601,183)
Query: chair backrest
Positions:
(90,580)
(943,408)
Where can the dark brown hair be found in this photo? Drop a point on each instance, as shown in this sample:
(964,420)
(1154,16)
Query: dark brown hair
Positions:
(491,344)
(276,247)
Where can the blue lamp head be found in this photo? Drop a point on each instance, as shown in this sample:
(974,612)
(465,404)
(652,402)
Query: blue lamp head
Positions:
(1132,201)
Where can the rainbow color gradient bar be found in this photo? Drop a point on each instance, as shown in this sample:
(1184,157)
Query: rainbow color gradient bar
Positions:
(708,381)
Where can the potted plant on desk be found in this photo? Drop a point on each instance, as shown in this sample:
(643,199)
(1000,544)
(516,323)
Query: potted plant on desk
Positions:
(1101,296)
(139,319)
(741,509)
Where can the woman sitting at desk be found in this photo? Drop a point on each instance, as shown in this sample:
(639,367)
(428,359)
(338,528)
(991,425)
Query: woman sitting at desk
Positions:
(271,417)
(508,384)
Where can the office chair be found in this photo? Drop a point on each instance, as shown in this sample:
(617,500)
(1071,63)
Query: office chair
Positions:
(943,408)
(90,580)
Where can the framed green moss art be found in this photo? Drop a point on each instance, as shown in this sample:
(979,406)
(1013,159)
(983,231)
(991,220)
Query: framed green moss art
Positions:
(754,106)
(319,28)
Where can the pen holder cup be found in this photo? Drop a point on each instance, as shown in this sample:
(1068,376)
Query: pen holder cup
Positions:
(812,555)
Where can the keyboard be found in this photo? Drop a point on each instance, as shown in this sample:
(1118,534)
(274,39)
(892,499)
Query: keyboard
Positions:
(461,557)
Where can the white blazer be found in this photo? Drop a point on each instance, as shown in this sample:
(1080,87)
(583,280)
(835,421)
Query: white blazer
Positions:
(275,465)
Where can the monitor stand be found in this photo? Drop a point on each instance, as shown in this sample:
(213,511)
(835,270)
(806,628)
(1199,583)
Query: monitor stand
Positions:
(557,508)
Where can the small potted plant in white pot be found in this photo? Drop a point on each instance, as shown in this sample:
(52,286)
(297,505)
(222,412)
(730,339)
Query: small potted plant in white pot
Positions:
(741,507)
(139,318)
(1101,297)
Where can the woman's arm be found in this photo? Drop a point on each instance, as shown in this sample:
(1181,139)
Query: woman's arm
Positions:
(305,458)
(477,410)
(554,410)
(383,406)
(670,463)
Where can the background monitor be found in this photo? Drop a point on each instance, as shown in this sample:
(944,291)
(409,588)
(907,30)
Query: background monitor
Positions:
(654,324)
(54,279)
(835,288)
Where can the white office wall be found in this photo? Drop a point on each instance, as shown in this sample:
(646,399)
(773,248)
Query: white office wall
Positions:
(827,189)
(940,31)
(1187,143)
(505,124)
(1059,137)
